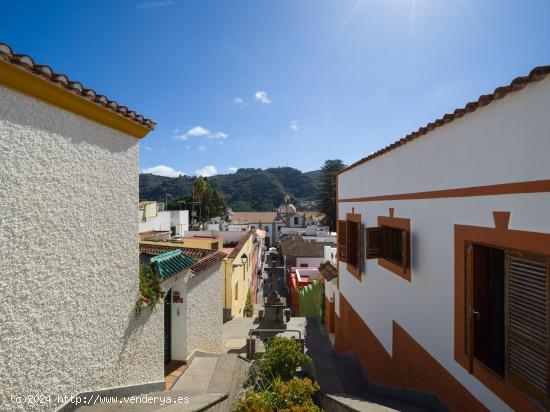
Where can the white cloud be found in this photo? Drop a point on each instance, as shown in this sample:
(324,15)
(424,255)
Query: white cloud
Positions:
(262,97)
(201,148)
(218,135)
(154,4)
(162,170)
(147,148)
(199,131)
(206,171)
(176,131)
(239,100)
(232,169)
(294,125)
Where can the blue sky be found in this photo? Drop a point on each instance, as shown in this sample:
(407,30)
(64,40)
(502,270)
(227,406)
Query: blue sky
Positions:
(256,83)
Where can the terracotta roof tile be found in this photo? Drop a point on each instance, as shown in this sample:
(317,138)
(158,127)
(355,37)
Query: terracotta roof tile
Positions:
(46,72)
(237,249)
(537,74)
(296,246)
(207,262)
(252,217)
(157,248)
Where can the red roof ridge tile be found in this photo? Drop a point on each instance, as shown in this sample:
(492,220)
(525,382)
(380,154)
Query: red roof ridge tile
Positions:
(207,262)
(27,63)
(237,249)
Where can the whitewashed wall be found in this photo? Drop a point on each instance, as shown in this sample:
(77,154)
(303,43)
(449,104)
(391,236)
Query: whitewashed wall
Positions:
(312,262)
(507,141)
(179,317)
(180,220)
(69,256)
(160,222)
(205,311)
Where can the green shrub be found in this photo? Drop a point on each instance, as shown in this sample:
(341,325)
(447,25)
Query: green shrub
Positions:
(248,306)
(282,357)
(149,288)
(294,395)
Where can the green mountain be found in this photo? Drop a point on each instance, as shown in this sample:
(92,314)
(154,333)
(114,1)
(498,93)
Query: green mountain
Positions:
(244,190)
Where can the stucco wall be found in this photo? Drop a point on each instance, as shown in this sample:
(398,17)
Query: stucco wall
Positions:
(69,256)
(504,142)
(204,311)
(179,317)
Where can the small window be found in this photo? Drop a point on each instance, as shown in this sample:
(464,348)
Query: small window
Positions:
(353,244)
(266,228)
(296,220)
(507,316)
(304,265)
(389,243)
(342,241)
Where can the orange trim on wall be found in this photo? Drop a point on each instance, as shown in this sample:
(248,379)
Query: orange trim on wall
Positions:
(500,237)
(410,366)
(535,186)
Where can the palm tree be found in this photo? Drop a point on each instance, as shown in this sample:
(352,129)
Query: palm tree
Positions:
(200,187)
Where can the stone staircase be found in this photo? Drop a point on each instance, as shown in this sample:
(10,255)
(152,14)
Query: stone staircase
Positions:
(211,383)
(345,387)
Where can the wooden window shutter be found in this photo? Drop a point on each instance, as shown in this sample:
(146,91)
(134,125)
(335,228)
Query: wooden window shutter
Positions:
(374,246)
(359,247)
(342,241)
(470,306)
(527,324)
(405,251)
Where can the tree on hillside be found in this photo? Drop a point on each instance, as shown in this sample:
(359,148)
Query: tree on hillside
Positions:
(327,191)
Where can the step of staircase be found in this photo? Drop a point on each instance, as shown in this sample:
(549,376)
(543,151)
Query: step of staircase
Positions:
(345,387)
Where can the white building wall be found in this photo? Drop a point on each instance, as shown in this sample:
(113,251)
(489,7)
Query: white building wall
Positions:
(179,321)
(504,142)
(425,306)
(180,220)
(205,311)
(160,222)
(69,257)
(329,254)
(312,262)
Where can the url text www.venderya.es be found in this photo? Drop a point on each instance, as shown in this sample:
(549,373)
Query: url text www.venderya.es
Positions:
(99,399)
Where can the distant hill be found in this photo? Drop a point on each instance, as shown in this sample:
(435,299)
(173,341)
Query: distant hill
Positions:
(244,190)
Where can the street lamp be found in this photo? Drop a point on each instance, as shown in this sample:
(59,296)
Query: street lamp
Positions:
(244,259)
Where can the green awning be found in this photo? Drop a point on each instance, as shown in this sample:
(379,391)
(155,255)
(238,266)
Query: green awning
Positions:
(170,263)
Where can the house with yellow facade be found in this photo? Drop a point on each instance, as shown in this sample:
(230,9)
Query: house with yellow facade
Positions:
(241,267)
